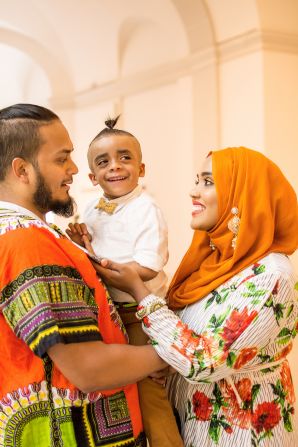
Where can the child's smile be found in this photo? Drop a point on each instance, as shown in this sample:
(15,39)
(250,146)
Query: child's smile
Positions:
(116,164)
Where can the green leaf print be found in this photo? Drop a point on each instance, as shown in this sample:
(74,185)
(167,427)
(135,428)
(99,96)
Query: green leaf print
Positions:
(269,301)
(215,323)
(286,415)
(278,311)
(191,372)
(253,292)
(296,286)
(254,391)
(259,269)
(290,310)
(231,359)
(284,336)
(214,429)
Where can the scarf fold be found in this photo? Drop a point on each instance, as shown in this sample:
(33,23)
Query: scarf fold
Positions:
(268,213)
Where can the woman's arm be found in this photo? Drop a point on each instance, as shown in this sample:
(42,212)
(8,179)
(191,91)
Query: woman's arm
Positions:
(232,337)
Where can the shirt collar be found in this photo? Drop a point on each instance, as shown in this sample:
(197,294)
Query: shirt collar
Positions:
(19,209)
(121,201)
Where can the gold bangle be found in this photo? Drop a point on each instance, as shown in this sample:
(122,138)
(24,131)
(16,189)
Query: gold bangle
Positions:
(147,309)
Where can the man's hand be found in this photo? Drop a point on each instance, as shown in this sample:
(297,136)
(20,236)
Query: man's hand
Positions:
(123,277)
(78,233)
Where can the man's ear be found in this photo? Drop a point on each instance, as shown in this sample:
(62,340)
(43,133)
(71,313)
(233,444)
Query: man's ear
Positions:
(142,170)
(21,169)
(93,179)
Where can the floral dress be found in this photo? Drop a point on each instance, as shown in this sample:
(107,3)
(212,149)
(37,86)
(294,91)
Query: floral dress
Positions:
(234,386)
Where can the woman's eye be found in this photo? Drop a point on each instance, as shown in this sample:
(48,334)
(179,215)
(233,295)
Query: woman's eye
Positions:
(208,182)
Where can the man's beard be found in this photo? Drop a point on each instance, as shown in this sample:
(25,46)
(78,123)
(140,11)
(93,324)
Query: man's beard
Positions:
(44,202)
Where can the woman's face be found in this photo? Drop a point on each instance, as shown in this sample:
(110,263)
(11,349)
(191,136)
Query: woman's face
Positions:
(204,199)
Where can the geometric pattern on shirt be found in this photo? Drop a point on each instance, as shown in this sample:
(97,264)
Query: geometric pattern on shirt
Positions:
(13,220)
(104,422)
(50,304)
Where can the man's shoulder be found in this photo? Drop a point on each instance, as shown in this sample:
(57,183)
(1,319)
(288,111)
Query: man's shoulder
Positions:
(10,220)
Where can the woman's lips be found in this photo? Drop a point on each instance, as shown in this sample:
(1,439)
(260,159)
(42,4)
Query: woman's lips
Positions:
(198,208)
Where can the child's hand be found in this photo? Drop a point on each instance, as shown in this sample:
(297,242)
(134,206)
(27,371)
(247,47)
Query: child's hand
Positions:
(78,233)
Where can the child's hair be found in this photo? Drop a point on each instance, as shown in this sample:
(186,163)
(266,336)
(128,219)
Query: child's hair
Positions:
(110,130)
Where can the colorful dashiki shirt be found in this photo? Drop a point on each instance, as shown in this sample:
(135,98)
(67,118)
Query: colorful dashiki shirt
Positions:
(235,387)
(50,294)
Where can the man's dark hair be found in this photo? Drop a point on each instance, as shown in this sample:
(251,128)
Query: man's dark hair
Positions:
(19,133)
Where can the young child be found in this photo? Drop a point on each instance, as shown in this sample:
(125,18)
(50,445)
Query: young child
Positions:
(126,226)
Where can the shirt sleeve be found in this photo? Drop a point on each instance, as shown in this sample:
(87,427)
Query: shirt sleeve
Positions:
(44,298)
(151,243)
(254,333)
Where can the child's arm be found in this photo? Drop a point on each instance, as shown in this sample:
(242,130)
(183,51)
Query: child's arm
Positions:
(144,272)
(77,232)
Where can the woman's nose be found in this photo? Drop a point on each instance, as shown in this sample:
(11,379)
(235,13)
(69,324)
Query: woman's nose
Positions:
(195,191)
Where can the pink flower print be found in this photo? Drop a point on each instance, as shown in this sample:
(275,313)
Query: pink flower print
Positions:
(62,392)
(94,396)
(25,392)
(16,395)
(73,395)
(36,387)
(6,401)
(2,410)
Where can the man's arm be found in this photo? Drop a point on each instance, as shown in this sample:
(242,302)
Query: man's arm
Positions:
(94,365)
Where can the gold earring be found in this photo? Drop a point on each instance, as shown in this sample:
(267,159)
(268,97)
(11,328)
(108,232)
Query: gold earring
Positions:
(212,246)
(234,224)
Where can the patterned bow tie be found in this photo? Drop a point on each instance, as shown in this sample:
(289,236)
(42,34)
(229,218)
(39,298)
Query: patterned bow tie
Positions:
(106,206)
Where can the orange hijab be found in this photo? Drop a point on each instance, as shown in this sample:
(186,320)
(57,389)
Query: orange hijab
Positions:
(268,213)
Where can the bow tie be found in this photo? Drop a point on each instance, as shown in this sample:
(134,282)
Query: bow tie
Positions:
(106,206)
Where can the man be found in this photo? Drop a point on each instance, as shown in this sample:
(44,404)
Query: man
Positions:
(64,361)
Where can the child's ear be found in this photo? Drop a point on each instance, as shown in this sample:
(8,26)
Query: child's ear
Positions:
(142,170)
(93,179)
(21,169)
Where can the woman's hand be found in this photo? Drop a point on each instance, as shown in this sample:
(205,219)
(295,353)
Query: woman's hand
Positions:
(123,277)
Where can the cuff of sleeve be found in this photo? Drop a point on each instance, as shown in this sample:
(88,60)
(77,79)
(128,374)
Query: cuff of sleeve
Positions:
(148,305)
(151,261)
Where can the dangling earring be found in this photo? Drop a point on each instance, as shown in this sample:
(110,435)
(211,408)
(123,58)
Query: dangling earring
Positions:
(212,246)
(234,224)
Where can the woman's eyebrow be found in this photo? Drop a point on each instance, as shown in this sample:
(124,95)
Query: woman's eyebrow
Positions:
(205,173)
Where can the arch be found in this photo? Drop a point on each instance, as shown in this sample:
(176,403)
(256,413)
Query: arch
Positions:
(60,81)
(197,23)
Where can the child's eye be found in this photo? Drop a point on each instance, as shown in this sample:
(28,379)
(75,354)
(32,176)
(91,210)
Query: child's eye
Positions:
(101,162)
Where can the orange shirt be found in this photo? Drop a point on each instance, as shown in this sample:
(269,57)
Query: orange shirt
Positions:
(51,294)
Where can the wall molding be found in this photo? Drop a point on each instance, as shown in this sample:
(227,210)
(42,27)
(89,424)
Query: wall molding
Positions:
(256,40)
(236,47)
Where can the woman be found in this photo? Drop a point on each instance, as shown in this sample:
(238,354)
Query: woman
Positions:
(235,310)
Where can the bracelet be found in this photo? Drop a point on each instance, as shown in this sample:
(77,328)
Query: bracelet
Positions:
(151,303)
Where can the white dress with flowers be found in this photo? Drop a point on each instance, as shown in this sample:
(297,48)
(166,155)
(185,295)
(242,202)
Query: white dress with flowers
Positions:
(234,387)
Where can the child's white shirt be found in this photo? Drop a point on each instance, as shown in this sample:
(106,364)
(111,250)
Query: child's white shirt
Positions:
(136,231)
